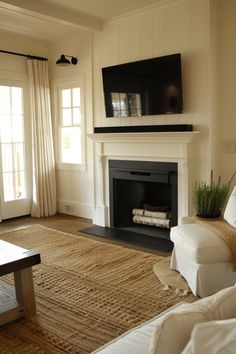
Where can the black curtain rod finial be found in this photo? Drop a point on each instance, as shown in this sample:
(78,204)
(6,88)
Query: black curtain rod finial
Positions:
(36,58)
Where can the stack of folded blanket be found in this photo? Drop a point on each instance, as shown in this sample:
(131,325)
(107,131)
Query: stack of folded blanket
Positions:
(152,218)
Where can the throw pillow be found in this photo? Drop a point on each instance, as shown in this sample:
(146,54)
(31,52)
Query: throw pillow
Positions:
(230,210)
(213,337)
(220,306)
(173,331)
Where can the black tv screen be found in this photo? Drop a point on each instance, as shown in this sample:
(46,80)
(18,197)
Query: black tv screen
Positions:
(147,87)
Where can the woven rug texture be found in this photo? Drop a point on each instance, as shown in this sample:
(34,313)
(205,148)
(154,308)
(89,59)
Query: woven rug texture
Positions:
(87,293)
(170,277)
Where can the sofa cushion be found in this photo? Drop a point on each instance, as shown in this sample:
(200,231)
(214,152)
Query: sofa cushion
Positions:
(136,340)
(230,210)
(222,305)
(172,332)
(200,244)
(213,337)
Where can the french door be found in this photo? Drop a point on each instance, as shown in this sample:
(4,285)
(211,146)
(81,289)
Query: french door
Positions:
(15,157)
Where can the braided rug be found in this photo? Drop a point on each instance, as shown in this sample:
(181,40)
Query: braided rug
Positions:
(87,293)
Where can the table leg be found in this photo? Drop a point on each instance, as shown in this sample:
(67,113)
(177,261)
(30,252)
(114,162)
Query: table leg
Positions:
(25,290)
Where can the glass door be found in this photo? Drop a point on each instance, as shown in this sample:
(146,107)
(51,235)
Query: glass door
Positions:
(14,156)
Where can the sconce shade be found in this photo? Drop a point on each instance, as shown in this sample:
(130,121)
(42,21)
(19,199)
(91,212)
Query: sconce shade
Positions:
(63,61)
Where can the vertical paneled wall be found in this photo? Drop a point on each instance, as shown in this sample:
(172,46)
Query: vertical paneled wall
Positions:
(227,87)
(180,26)
(75,185)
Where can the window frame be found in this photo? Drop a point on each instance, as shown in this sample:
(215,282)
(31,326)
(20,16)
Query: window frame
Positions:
(58,86)
(11,114)
(20,206)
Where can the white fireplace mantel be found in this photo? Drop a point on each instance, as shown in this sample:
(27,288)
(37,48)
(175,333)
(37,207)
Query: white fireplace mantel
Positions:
(171,137)
(146,146)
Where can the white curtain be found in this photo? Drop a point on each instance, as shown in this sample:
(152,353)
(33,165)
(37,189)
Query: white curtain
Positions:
(44,183)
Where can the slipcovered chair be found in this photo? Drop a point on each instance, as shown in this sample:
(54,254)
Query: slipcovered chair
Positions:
(202,256)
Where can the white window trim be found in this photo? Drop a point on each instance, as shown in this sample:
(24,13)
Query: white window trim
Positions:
(60,84)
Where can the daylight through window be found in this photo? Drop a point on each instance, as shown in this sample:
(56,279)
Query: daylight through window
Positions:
(70,125)
(12,142)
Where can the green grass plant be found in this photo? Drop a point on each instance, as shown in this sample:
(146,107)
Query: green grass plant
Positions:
(209,200)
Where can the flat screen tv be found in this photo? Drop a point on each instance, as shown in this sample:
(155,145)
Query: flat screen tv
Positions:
(147,87)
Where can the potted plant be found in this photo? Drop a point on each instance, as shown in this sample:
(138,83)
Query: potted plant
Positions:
(209,200)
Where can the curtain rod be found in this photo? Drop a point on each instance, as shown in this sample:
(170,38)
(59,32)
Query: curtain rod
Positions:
(23,55)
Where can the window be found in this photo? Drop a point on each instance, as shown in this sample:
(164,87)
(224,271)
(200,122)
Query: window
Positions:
(70,118)
(12,142)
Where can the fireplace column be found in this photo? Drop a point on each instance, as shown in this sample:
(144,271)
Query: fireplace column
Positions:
(101,214)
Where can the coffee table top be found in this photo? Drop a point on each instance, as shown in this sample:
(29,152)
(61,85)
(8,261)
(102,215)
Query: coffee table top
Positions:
(13,258)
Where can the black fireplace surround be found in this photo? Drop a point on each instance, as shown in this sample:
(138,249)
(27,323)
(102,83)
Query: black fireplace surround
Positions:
(134,183)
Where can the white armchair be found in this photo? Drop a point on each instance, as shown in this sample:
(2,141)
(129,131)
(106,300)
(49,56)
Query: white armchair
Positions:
(202,257)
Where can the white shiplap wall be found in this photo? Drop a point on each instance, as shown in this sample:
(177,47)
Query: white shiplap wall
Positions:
(227,90)
(180,26)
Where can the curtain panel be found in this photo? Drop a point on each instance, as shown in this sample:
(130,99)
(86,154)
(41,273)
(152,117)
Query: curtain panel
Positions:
(44,181)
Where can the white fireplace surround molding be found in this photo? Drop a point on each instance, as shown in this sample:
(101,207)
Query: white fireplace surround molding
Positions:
(151,146)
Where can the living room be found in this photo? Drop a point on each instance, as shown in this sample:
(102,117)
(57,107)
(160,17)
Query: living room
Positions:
(201,30)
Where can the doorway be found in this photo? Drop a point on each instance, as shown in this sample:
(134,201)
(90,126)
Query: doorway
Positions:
(15,152)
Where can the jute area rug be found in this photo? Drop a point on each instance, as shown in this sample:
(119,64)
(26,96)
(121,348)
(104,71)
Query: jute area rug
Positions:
(87,293)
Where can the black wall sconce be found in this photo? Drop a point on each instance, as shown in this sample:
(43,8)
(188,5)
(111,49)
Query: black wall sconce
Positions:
(63,61)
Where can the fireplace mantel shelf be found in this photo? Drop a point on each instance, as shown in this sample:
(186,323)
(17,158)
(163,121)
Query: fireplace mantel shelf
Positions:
(146,137)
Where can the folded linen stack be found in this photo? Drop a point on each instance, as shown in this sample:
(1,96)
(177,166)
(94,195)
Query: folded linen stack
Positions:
(152,218)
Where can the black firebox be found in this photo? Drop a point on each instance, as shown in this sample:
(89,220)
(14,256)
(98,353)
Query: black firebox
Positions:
(146,187)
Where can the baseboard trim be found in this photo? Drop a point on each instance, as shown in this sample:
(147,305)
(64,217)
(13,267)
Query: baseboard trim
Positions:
(75,208)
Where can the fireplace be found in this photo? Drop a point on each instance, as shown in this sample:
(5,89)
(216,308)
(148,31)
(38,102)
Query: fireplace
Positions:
(148,189)
(171,150)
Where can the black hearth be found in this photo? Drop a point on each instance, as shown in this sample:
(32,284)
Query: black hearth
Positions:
(136,184)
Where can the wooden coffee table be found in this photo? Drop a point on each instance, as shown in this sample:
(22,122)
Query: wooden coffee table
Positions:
(19,301)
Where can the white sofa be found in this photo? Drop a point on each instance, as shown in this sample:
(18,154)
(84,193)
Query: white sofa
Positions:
(204,326)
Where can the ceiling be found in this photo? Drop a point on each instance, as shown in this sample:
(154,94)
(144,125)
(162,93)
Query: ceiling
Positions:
(103,9)
(51,19)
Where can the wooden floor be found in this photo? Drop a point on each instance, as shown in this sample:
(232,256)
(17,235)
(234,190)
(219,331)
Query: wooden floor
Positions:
(66,223)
